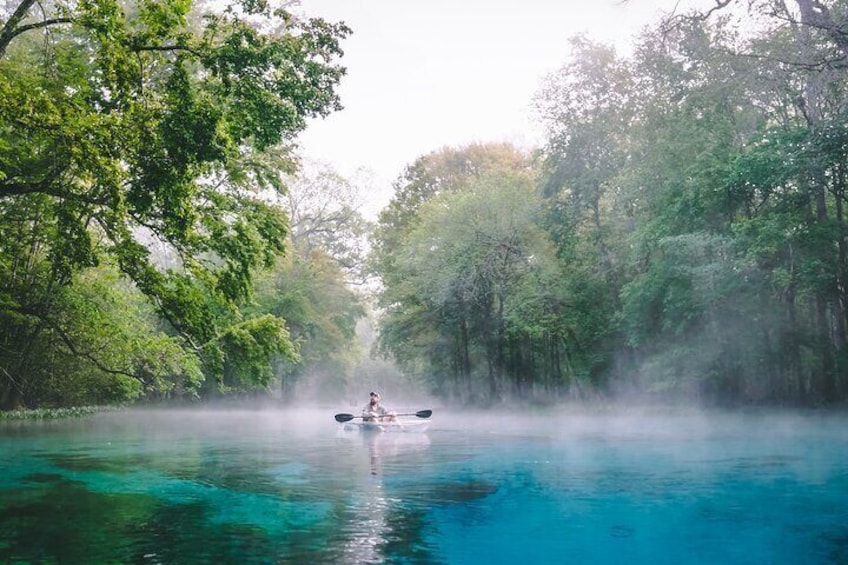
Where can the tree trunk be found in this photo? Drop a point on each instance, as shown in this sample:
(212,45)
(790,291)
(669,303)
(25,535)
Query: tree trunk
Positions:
(841,317)
(10,393)
(10,29)
(815,15)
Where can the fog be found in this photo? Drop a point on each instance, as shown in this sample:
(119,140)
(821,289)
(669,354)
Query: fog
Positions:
(561,422)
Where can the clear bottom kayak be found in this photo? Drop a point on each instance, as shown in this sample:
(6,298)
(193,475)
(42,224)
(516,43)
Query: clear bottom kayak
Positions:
(398,426)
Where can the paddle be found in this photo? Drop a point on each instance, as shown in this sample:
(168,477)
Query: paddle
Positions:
(349,417)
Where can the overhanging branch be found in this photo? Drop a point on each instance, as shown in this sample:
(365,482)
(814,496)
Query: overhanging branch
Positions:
(85,355)
(12,28)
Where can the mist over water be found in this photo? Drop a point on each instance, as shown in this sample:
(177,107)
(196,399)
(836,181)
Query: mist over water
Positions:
(586,484)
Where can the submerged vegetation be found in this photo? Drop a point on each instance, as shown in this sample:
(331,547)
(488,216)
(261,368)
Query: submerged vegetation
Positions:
(681,232)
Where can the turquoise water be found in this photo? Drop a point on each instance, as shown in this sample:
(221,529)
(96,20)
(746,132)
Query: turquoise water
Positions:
(274,487)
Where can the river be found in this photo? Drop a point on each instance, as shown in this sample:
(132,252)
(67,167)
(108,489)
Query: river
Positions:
(554,486)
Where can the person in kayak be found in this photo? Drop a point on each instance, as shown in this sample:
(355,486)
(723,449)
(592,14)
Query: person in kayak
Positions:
(375,411)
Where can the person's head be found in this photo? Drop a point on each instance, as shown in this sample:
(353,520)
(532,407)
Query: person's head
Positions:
(375,398)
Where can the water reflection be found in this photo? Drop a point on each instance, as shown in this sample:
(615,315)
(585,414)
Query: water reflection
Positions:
(381,450)
(374,511)
(392,448)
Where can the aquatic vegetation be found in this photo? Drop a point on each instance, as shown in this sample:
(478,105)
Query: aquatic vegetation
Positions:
(54,413)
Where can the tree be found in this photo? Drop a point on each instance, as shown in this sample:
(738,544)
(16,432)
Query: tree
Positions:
(308,290)
(99,343)
(473,298)
(126,128)
(445,170)
(409,330)
(714,182)
(311,287)
(324,214)
(802,51)
(587,108)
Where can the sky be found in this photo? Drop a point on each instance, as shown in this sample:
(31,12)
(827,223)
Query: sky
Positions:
(425,74)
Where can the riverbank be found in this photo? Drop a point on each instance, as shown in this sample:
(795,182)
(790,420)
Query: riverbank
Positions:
(53,413)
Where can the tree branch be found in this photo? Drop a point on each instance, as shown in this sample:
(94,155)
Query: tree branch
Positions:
(141,48)
(17,188)
(99,364)
(671,20)
(11,28)
(815,14)
(8,31)
(37,25)
(45,186)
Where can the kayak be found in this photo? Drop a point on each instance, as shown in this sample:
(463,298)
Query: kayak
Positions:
(393,427)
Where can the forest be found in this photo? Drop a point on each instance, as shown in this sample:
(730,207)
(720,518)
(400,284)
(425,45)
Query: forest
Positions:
(680,235)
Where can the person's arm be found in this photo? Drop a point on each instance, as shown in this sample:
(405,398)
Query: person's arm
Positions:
(386,413)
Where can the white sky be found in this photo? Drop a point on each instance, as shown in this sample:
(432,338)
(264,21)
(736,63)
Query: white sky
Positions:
(424,74)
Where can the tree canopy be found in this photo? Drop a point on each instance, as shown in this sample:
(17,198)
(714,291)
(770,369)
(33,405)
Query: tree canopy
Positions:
(133,133)
(691,197)
(681,231)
